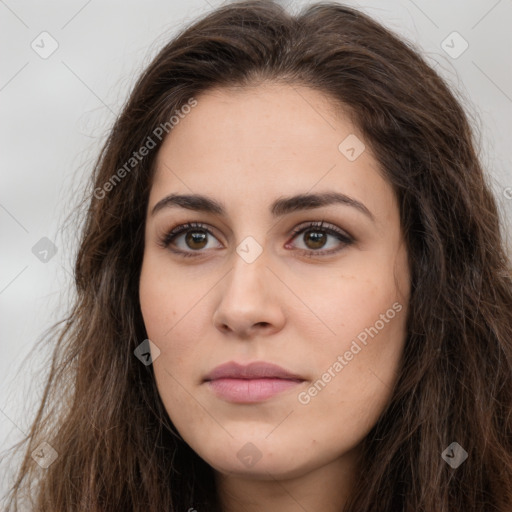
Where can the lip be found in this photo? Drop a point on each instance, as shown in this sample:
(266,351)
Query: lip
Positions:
(250,383)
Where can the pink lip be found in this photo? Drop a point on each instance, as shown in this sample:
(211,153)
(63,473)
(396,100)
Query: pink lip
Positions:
(251,383)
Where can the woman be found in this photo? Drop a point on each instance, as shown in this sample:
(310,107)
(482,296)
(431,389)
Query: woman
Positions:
(292,289)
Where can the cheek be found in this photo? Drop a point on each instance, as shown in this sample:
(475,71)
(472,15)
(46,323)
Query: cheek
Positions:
(164,305)
(347,304)
(161,301)
(358,362)
(356,378)
(174,314)
(165,296)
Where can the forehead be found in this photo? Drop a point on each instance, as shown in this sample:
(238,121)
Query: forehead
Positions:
(271,116)
(254,143)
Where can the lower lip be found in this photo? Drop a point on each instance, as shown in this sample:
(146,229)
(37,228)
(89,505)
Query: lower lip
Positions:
(250,390)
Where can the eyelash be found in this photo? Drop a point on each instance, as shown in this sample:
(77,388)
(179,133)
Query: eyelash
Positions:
(328,229)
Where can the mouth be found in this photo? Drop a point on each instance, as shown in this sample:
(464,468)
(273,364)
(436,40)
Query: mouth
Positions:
(251,383)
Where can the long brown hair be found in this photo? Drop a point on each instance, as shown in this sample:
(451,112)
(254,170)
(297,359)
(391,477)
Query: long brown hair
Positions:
(117,448)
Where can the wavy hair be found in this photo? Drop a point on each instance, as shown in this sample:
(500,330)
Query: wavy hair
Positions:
(101,411)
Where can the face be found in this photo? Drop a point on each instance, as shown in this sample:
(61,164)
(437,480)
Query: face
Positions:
(246,274)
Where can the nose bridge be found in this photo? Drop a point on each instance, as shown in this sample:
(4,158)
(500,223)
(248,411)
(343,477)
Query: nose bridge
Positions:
(249,271)
(251,251)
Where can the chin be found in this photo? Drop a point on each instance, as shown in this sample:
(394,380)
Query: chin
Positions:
(252,462)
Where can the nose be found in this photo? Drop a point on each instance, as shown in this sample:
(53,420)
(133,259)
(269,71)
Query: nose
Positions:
(249,300)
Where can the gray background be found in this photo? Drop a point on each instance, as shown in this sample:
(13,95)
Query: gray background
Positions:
(56,111)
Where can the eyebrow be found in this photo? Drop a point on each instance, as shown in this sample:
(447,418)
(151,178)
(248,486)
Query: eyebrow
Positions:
(280,207)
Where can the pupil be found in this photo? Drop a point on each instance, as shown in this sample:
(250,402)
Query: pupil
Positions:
(195,237)
(317,238)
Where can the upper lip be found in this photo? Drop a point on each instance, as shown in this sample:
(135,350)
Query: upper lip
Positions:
(250,371)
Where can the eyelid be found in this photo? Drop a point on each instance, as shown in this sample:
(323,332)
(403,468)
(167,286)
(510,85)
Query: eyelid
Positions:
(323,226)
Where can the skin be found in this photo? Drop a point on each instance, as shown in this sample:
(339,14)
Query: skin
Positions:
(246,148)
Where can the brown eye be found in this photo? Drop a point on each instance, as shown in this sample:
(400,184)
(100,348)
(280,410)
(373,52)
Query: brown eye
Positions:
(196,239)
(315,236)
(315,239)
(189,239)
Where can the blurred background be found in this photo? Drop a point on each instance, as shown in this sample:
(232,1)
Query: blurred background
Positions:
(66,70)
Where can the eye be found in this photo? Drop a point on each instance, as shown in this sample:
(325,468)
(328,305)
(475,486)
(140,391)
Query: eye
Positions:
(188,238)
(316,236)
